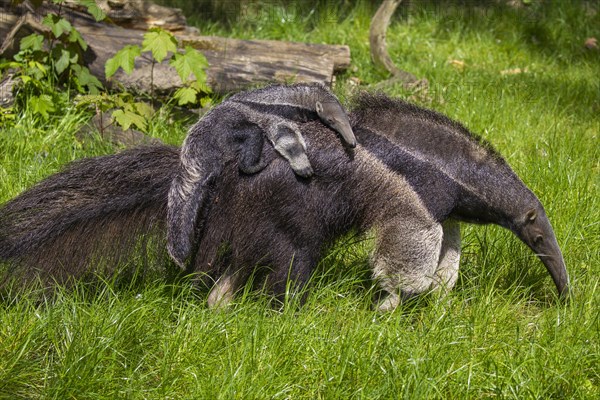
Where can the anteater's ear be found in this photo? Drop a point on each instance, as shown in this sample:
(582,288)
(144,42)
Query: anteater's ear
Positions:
(289,143)
(319,107)
(531,215)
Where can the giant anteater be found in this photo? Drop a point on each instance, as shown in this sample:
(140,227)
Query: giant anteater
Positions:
(454,175)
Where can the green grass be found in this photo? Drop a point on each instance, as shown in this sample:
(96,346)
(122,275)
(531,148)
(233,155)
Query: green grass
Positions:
(501,332)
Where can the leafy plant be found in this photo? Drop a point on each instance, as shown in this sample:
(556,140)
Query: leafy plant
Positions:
(51,60)
(125,111)
(54,60)
(189,64)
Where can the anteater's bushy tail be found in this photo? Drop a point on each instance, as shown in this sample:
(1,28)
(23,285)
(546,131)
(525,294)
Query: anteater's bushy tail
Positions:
(93,214)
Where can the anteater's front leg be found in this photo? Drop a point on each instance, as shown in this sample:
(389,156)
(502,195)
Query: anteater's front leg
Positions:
(406,259)
(447,269)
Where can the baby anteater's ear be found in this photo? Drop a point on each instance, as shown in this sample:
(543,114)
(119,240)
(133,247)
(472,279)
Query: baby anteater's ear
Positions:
(289,143)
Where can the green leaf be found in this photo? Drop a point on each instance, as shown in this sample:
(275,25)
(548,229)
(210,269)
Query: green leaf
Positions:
(62,62)
(42,105)
(75,37)
(159,42)
(101,100)
(93,9)
(85,79)
(185,95)
(38,70)
(124,58)
(190,62)
(57,25)
(9,64)
(39,66)
(205,102)
(32,42)
(144,109)
(126,118)
(121,101)
(201,86)
(91,99)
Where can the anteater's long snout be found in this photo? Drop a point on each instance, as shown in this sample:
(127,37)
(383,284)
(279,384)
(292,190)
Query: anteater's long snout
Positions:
(538,234)
(346,132)
(552,258)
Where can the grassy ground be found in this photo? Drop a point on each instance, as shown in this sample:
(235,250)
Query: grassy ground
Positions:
(501,333)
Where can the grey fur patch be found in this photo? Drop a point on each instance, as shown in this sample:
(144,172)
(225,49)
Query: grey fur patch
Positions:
(449,261)
(406,266)
(456,174)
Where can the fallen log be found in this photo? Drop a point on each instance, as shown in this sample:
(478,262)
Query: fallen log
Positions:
(234,64)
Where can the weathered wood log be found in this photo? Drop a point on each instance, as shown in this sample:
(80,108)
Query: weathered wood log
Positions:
(237,64)
(233,64)
(133,14)
(141,14)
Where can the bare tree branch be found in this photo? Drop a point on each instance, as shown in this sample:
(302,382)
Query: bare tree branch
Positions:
(379,52)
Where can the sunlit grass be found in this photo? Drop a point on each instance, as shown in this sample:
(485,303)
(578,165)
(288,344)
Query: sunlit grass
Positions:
(501,333)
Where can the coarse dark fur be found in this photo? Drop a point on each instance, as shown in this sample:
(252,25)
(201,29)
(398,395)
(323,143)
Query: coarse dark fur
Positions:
(258,216)
(235,130)
(90,215)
